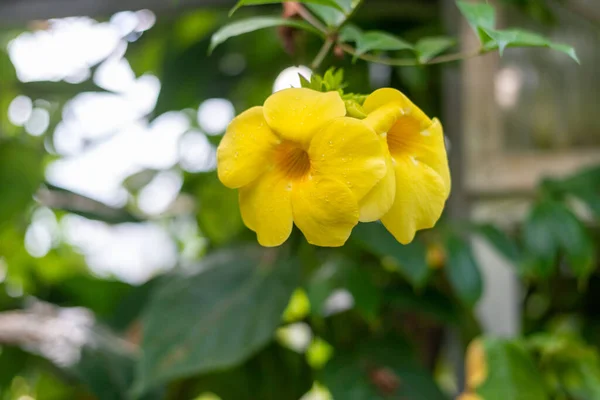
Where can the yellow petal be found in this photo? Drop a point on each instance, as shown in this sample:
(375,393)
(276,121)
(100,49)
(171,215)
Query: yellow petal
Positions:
(408,139)
(475,364)
(325,210)
(348,151)
(246,148)
(386,96)
(469,396)
(266,208)
(420,197)
(383,118)
(381,198)
(298,113)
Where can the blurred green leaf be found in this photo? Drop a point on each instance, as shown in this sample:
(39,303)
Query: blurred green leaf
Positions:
(216,316)
(367,296)
(20,175)
(410,259)
(350,33)
(429,303)
(377,40)
(329,3)
(275,373)
(500,240)
(333,17)
(218,212)
(462,271)
(252,24)
(523,38)
(551,228)
(429,47)
(512,373)
(480,16)
(383,369)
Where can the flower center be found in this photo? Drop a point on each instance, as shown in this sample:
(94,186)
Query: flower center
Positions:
(403,129)
(292,160)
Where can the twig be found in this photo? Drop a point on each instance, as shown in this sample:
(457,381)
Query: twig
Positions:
(322,53)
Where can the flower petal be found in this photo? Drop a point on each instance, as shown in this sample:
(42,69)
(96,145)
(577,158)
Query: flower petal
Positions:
(420,197)
(325,210)
(348,151)
(266,208)
(426,146)
(298,113)
(245,149)
(380,199)
(386,96)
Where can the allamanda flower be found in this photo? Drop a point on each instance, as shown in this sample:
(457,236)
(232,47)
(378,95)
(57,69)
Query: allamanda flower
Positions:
(298,159)
(412,194)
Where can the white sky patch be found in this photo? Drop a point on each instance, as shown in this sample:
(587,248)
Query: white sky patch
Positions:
(214,115)
(196,153)
(20,110)
(156,197)
(289,77)
(69,46)
(133,253)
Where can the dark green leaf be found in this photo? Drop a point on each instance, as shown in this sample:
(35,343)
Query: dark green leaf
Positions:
(512,373)
(428,48)
(429,303)
(367,296)
(215,317)
(410,259)
(351,375)
(552,228)
(462,271)
(501,242)
(480,16)
(376,40)
(275,373)
(522,38)
(333,17)
(253,24)
(329,3)
(20,175)
(350,33)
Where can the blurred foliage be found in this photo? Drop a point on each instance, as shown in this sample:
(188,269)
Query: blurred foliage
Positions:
(376,314)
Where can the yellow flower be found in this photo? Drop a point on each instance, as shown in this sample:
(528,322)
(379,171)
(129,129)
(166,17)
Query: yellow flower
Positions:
(298,159)
(412,195)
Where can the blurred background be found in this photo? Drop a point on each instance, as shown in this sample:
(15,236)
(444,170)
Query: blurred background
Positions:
(110,114)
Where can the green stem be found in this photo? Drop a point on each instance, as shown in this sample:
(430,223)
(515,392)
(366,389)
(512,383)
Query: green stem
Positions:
(322,53)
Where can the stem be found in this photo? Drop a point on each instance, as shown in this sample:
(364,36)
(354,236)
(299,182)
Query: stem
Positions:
(322,53)
(308,17)
(410,62)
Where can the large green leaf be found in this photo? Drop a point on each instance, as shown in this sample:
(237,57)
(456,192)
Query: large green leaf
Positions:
(429,47)
(500,240)
(20,176)
(462,271)
(480,16)
(253,24)
(353,375)
(275,373)
(216,316)
(522,38)
(329,3)
(551,228)
(377,40)
(409,259)
(511,373)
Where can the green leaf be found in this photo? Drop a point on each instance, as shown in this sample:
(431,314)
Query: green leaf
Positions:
(428,48)
(522,38)
(329,3)
(350,33)
(409,259)
(216,316)
(429,303)
(377,40)
(462,271)
(480,16)
(550,229)
(350,375)
(500,240)
(20,175)
(253,24)
(275,373)
(512,373)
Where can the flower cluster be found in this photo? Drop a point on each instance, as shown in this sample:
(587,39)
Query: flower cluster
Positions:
(300,160)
